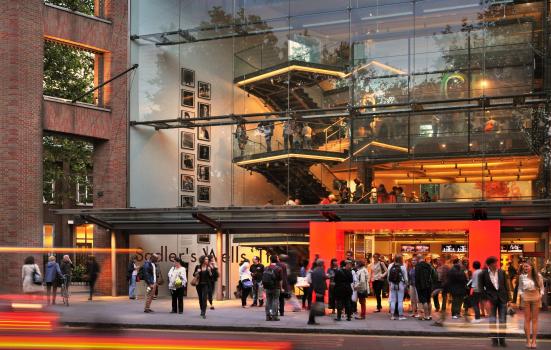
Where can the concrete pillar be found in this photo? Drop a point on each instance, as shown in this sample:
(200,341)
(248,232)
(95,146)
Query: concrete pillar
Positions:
(221,264)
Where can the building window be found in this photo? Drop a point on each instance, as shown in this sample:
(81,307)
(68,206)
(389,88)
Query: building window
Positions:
(48,235)
(85,191)
(83,6)
(84,235)
(48,192)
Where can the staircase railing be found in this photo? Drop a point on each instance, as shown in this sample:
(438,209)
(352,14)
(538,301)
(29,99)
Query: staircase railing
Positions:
(338,128)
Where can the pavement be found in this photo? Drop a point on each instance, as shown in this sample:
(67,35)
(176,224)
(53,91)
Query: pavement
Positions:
(228,316)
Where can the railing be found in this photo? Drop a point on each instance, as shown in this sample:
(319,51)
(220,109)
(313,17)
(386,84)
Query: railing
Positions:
(324,174)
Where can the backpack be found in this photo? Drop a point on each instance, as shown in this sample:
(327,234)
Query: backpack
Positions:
(269,279)
(395,274)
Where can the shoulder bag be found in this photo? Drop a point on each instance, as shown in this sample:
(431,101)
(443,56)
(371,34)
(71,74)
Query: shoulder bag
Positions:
(37,278)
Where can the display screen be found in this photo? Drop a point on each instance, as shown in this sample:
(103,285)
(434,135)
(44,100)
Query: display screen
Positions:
(454,248)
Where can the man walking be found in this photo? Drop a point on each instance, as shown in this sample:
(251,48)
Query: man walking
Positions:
(425,277)
(378,275)
(493,283)
(150,279)
(318,285)
(285,289)
(257,269)
(271,281)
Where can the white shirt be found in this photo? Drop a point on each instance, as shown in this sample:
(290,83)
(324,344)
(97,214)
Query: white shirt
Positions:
(527,284)
(245,272)
(378,271)
(494,277)
(154,273)
(135,271)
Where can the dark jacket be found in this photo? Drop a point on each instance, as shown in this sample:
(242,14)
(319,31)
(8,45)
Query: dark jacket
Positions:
(284,281)
(424,275)
(343,283)
(66,268)
(92,269)
(256,272)
(278,275)
(487,287)
(319,284)
(129,270)
(457,281)
(148,272)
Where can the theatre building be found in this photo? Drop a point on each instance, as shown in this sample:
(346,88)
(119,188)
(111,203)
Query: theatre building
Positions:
(426,122)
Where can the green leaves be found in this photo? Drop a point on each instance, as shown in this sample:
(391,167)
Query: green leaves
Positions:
(84,6)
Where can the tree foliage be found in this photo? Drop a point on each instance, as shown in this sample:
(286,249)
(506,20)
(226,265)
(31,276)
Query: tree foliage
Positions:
(68,72)
(84,6)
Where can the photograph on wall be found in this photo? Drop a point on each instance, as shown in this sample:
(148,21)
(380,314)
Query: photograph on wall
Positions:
(204,109)
(187,140)
(187,114)
(188,98)
(203,239)
(203,173)
(187,201)
(203,153)
(188,77)
(203,194)
(203,133)
(203,90)
(188,182)
(187,161)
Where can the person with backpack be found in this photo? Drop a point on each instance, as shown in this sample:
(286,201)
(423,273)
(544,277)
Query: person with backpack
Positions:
(272,282)
(177,281)
(257,269)
(425,277)
(343,290)
(378,275)
(397,280)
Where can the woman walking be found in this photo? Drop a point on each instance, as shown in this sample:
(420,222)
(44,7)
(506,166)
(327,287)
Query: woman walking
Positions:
(176,283)
(52,273)
(331,276)
(530,288)
(214,268)
(202,279)
(67,267)
(457,286)
(31,277)
(414,299)
(397,281)
(246,280)
(131,276)
(362,287)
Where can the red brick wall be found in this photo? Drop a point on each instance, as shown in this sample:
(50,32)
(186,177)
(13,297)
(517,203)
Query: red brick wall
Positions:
(21,47)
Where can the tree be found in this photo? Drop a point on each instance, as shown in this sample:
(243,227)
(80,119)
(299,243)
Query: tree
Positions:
(84,6)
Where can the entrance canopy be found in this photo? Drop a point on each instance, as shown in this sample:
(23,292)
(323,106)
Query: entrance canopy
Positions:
(297,219)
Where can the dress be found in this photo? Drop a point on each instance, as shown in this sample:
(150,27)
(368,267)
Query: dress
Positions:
(27,272)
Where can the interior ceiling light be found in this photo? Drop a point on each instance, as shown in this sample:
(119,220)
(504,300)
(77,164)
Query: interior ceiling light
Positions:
(290,69)
(377,64)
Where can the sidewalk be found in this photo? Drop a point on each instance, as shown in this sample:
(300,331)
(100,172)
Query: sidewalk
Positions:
(120,312)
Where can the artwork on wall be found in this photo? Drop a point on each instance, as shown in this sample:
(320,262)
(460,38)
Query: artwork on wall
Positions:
(188,98)
(203,133)
(188,182)
(188,77)
(187,114)
(187,140)
(204,110)
(187,201)
(203,239)
(203,90)
(187,161)
(203,153)
(203,194)
(203,173)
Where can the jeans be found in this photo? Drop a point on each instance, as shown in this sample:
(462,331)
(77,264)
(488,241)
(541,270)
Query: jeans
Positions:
(396,297)
(177,299)
(476,304)
(210,292)
(49,296)
(257,292)
(307,297)
(378,290)
(132,287)
(287,141)
(244,295)
(272,302)
(149,296)
(202,293)
(346,304)
(457,301)
(498,312)
(268,143)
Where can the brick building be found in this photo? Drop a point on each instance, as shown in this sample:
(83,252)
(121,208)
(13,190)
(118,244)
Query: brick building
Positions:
(26,115)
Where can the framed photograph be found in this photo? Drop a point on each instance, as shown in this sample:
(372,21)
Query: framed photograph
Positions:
(188,182)
(187,77)
(204,109)
(203,153)
(203,194)
(203,173)
(203,90)
(187,201)
(187,161)
(203,133)
(188,98)
(187,140)
(203,239)
(187,114)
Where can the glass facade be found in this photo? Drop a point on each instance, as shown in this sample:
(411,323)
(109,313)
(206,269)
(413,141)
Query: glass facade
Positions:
(446,98)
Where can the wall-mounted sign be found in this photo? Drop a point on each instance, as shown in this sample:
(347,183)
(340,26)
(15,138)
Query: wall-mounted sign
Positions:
(415,248)
(454,248)
(512,248)
(408,248)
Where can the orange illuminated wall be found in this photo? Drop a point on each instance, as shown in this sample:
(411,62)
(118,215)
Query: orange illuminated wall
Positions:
(327,238)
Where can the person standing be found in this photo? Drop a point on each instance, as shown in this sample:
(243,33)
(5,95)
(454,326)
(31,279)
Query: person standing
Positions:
(257,270)
(177,281)
(131,276)
(343,290)
(359,191)
(378,275)
(475,285)
(285,288)
(331,271)
(457,286)
(531,291)
(203,276)
(246,281)
(272,282)
(212,286)
(53,272)
(92,270)
(397,280)
(66,268)
(317,279)
(307,136)
(493,283)
(288,128)
(425,277)
(31,278)
(306,291)
(150,279)
(241,137)
(362,287)
(414,298)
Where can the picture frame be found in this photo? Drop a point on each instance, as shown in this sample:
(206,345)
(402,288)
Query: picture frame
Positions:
(184,114)
(203,109)
(187,161)
(203,152)
(187,77)
(187,201)
(203,133)
(203,90)
(187,182)
(203,194)
(203,238)
(187,98)
(203,173)
(187,140)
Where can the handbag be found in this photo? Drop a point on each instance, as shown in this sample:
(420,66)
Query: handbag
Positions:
(195,281)
(362,294)
(247,284)
(37,278)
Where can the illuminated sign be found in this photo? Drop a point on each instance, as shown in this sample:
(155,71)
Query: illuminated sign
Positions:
(415,248)
(512,248)
(454,248)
